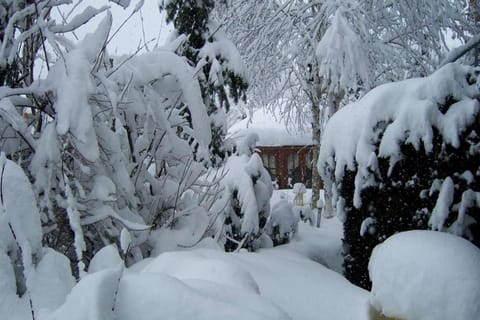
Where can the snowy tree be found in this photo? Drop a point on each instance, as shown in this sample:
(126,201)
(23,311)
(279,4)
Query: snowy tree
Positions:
(407,159)
(278,45)
(248,192)
(218,66)
(322,54)
(109,143)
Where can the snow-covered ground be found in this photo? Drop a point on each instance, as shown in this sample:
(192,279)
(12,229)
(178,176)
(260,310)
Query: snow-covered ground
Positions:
(277,283)
(285,282)
(415,275)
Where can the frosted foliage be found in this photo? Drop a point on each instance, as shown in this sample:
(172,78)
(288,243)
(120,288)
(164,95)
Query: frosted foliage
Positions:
(47,155)
(248,190)
(408,111)
(283,221)
(367,227)
(75,85)
(11,116)
(416,274)
(103,189)
(79,20)
(238,179)
(442,207)
(158,66)
(246,145)
(125,240)
(19,208)
(343,56)
(220,46)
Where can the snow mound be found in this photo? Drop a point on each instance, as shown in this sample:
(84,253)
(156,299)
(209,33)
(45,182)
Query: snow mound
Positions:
(199,265)
(426,275)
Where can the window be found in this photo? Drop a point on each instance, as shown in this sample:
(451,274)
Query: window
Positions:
(308,171)
(270,163)
(294,170)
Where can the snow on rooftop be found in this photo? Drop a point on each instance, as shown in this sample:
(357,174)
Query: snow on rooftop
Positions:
(272,130)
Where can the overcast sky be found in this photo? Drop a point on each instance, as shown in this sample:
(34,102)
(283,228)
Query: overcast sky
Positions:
(127,40)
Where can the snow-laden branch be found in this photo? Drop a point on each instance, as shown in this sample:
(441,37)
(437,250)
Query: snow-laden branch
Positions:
(460,51)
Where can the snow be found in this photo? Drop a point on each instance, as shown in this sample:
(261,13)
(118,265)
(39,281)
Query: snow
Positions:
(125,240)
(123,3)
(18,210)
(165,297)
(272,130)
(106,258)
(411,119)
(92,298)
(299,188)
(426,275)
(249,180)
(74,85)
(80,19)
(284,218)
(200,282)
(159,65)
(103,189)
(220,46)
(343,56)
(277,283)
(51,282)
(367,227)
(442,207)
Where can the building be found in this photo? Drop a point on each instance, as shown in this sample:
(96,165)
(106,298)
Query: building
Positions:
(286,151)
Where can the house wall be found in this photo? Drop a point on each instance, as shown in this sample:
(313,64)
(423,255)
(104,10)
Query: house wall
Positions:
(281,155)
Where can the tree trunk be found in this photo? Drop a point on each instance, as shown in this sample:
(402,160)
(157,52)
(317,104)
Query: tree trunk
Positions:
(315,95)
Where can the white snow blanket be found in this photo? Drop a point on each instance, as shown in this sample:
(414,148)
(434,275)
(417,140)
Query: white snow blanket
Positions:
(426,275)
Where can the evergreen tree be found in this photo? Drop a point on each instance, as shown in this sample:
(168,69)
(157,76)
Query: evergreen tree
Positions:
(218,65)
(405,163)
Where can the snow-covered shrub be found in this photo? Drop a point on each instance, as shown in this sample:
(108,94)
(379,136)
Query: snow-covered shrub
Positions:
(248,191)
(406,156)
(416,274)
(306,214)
(108,143)
(282,223)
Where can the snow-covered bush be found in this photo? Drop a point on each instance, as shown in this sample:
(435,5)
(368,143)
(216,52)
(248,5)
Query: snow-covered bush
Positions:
(282,223)
(416,274)
(248,192)
(108,143)
(406,156)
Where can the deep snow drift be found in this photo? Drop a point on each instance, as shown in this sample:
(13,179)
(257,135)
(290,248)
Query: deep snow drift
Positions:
(277,283)
(426,275)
